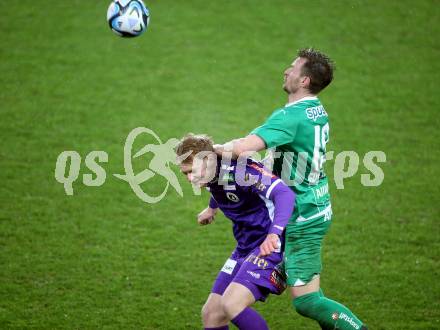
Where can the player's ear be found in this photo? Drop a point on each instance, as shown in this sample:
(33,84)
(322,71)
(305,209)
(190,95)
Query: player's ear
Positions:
(305,80)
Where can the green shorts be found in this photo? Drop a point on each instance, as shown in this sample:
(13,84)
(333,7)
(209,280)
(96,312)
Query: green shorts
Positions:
(302,259)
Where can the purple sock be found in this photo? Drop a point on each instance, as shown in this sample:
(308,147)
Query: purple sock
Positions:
(224,327)
(250,319)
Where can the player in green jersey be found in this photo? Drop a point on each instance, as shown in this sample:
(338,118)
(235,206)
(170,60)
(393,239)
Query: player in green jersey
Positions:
(298,133)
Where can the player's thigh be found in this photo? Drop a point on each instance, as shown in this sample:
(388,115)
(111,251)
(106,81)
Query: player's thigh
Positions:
(236,298)
(303,251)
(257,277)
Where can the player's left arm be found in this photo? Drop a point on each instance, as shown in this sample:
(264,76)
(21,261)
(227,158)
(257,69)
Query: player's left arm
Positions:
(283,199)
(269,186)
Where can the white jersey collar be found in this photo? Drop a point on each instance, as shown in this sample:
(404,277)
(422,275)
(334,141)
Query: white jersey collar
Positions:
(306,98)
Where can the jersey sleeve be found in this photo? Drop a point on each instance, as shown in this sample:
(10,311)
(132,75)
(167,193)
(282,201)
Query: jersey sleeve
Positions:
(273,189)
(213,203)
(279,129)
(283,199)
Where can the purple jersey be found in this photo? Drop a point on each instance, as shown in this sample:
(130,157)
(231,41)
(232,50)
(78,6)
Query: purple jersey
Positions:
(255,200)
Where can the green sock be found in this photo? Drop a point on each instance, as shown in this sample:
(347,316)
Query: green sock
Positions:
(328,313)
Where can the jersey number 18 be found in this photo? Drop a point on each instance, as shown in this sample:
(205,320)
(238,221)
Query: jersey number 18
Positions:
(321,138)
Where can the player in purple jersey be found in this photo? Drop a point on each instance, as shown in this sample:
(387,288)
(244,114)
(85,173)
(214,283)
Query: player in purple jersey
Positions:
(259,205)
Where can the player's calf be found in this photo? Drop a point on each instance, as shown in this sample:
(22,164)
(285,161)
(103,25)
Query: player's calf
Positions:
(328,313)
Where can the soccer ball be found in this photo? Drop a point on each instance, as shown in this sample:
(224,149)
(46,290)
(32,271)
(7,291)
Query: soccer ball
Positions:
(128,18)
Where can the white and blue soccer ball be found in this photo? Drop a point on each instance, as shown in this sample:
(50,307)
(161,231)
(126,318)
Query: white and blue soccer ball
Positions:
(128,18)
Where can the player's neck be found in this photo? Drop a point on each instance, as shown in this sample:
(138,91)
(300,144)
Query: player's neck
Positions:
(298,95)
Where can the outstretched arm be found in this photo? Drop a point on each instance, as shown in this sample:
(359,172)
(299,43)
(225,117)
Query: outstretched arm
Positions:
(238,146)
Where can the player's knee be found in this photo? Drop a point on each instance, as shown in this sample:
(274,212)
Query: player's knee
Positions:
(306,304)
(212,314)
(231,307)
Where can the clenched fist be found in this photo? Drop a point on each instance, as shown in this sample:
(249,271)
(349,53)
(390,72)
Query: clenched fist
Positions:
(271,244)
(206,216)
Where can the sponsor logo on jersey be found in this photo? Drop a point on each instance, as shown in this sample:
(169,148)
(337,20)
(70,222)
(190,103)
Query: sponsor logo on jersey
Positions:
(260,262)
(316,112)
(229,266)
(278,280)
(253,274)
(232,197)
(345,317)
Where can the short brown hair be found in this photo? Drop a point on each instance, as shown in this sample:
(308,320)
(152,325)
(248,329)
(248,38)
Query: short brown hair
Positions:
(194,143)
(318,67)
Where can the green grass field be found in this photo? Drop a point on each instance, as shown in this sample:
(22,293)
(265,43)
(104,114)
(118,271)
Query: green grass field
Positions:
(102,258)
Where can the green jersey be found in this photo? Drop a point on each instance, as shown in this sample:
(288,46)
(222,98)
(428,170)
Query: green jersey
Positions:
(299,133)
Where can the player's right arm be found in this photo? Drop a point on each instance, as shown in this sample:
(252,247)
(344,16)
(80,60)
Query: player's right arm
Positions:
(250,143)
(280,128)
(207,215)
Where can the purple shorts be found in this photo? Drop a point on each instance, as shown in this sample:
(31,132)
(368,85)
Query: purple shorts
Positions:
(261,275)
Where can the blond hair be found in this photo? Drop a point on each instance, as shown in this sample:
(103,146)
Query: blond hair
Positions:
(193,144)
